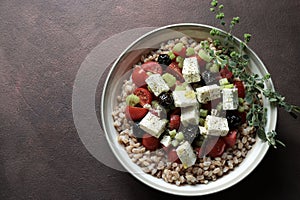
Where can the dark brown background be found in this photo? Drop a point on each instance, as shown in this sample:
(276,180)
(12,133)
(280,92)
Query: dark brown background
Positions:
(43,43)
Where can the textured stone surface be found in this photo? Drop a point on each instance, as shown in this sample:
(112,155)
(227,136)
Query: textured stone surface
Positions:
(43,43)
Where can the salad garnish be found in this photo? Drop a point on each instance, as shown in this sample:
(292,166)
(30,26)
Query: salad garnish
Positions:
(236,60)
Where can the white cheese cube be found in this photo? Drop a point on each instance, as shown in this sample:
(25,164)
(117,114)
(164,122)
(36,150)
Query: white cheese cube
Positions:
(203,130)
(214,112)
(190,115)
(166,140)
(217,126)
(157,84)
(208,93)
(214,91)
(185,98)
(230,99)
(186,155)
(203,94)
(153,125)
(190,70)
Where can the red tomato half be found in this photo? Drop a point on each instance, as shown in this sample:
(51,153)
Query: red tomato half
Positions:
(181,53)
(226,73)
(144,95)
(175,71)
(139,76)
(218,148)
(174,122)
(241,89)
(230,138)
(213,147)
(152,67)
(150,142)
(135,113)
(172,156)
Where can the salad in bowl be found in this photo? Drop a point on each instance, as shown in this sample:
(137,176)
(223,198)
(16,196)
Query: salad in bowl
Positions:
(189,109)
(181,117)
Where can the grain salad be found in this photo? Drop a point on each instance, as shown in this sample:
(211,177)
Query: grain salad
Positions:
(181,117)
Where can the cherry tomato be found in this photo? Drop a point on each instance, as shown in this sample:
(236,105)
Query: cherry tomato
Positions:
(230,138)
(174,122)
(212,146)
(139,76)
(226,73)
(241,89)
(135,113)
(144,95)
(218,148)
(150,142)
(181,53)
(172,156)
(152,67)
(175,71)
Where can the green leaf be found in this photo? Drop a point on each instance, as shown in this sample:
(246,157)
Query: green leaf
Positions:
(232,63)
(281,143)
(247,37)
(246,57)
(214,3)
(261,134)
(272,100)
(267,76)
(249,98)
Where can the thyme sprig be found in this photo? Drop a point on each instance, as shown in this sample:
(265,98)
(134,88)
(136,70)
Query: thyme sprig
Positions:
(237,62)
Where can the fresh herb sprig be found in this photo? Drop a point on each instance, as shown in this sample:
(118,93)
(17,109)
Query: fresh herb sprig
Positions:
(237,61)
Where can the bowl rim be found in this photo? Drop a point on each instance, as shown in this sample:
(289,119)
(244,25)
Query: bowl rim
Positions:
(264,145)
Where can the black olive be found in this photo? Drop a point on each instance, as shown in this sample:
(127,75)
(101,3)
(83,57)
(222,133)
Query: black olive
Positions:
(166,99)
(234,121)
(164,59)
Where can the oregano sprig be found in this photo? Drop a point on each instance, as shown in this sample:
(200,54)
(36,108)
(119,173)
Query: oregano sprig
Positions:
(237,61)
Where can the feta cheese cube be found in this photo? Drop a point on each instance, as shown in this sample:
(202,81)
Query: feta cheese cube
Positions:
(190,70)
(190,115)
(217,126)
(185,98)
(157,84)
(153,125)
(214,91)
(214,112)
(208,93)
(166,140)
(186,155)
(203,130)
(230,99)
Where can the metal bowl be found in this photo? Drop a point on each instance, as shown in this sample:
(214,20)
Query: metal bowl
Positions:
(121,70)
